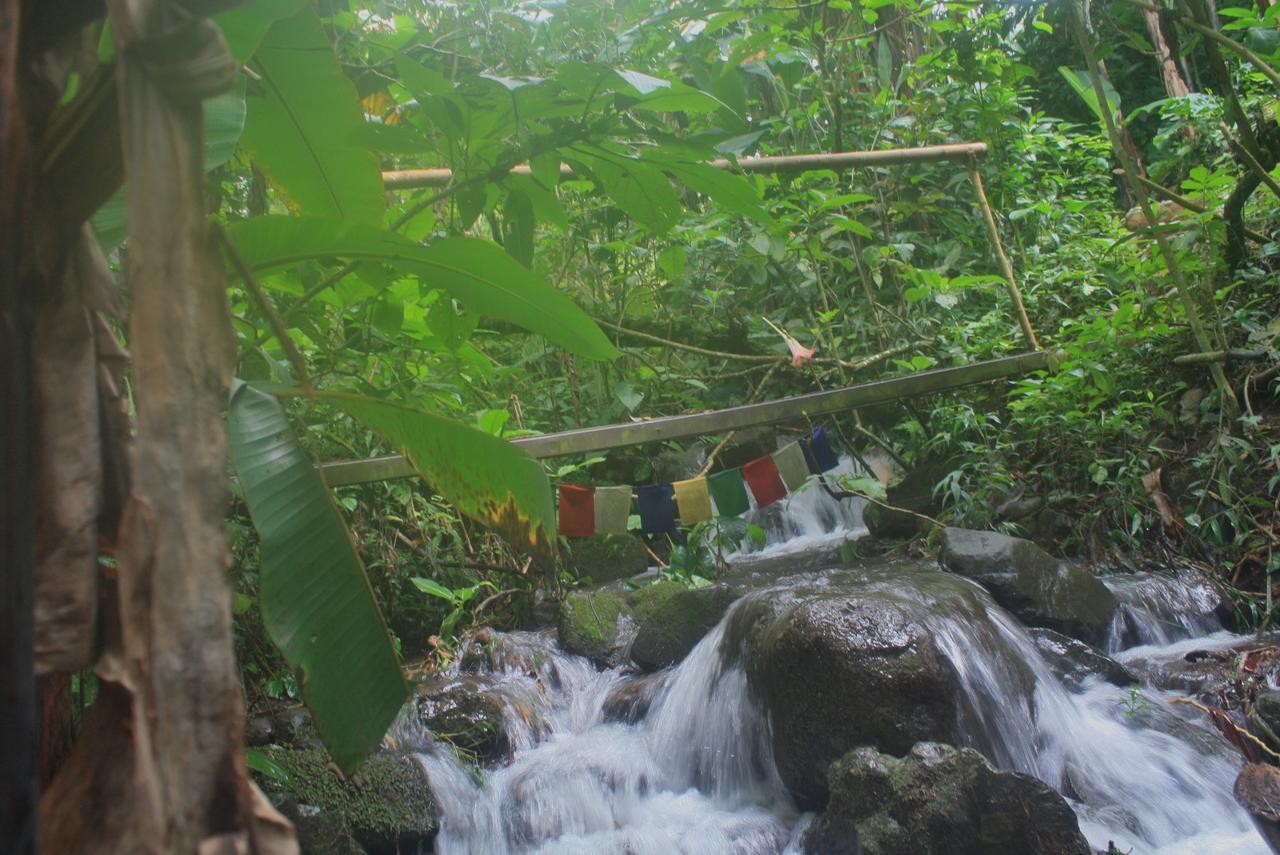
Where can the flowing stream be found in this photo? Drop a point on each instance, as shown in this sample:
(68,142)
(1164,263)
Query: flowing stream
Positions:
(690,769)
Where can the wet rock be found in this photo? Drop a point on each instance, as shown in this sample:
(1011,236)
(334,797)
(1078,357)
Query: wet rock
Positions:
(294,727)
(838,671)
(1040,589)
(259,731)
(607,557)
(629,701)
(1266,705)
(384,808)
(939,799)
(1159,608)
(1074,661)
(467,712)
(601,624)
(668,636)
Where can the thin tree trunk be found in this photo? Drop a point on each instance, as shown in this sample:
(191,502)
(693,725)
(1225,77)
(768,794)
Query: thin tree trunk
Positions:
(1174,85)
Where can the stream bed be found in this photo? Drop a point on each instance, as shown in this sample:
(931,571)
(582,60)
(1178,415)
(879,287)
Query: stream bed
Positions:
(687,761)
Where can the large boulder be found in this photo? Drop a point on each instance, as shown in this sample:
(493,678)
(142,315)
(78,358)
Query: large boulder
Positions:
(666,638)
(601,624)
(839,670)
(1040,589)
(385,808)
(939,799)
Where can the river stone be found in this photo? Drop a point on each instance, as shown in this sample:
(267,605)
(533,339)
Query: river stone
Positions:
(1039,589)
(666,638)
(466,712)
(384,808)
(1074,661)
(840,671)
(601,624)
(607,557)
(629,701)
(939,799)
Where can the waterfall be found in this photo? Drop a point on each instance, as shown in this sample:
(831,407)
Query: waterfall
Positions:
(693,770)
(807,520)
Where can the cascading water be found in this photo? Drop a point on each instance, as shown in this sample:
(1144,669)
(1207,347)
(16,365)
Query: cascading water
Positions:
(807,520)
(1160,609)
(694,772)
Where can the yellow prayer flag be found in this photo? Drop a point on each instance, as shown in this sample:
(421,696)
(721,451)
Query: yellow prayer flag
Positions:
(693,500)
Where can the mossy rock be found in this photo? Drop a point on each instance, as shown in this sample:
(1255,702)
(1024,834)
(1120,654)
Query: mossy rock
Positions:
(940,799)
(666,638)
(600,624)
(385,807)
(607,557)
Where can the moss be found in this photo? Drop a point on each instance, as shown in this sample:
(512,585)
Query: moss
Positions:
(589,623)
(385,805)
(651,600)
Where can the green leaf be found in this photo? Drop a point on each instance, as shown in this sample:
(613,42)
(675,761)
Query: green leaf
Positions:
(733,193)
(260,761)
(223,124)
(672,261)
(477,272)
(641,191)
(245,26)
(484,477)
(627,395)
(316,601)
(434,588)
(303,117)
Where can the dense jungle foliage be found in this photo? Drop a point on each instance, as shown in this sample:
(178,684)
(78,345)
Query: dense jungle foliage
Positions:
(1135,455)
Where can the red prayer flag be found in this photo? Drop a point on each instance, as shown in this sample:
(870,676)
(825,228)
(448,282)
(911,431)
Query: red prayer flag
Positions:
(766,484)
(577,510)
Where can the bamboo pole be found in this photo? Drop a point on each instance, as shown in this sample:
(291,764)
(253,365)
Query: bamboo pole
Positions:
(408,179)
(606,437)
(1006,269)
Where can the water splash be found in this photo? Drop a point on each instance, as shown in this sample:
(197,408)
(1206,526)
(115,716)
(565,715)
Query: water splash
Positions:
(695,772)
(1158,608)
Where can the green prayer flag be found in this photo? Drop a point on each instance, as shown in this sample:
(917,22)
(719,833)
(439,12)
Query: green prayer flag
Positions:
(730,492)
(613,506)
(791,466)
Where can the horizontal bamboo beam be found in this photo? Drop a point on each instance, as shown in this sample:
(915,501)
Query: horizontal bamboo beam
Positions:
(408,179)
(605,437)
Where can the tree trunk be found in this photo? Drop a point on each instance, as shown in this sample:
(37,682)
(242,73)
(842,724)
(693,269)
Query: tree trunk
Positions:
(17,670)
(161,765)
(1174,85)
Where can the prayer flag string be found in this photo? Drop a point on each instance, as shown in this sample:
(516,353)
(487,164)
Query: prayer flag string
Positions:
(585,511)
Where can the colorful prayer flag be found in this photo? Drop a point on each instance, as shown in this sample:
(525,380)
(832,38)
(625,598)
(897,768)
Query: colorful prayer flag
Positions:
(693,500)
(657,508)
(818,452)
(577,510)
(730,493)
(766,484)
(613,506)
(791,466)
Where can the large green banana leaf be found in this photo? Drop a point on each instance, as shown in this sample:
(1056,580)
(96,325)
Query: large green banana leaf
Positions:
(315,598)
(479,273)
